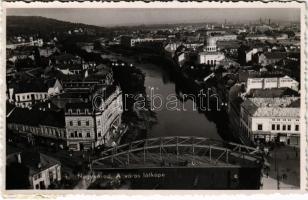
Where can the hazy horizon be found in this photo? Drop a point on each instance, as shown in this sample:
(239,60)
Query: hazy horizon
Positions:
(151,16)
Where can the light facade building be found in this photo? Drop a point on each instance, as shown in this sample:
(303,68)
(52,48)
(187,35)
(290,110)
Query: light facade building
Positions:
(43,170)
(28,93)
(271,58)
(47,51)
(89,126)
(43,177)
(82,126)
(181,58)
(37,123)
(250,53)
(271,82)
(210,58)
(172,47)
(258,37)
(271,119)
(131,41)
(211,41)
(38,43)
(193,46)
(27,99)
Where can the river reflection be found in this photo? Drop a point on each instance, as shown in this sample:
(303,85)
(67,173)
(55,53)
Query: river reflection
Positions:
(188,122)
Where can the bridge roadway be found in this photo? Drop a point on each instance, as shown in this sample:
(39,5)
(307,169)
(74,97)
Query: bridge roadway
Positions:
(178,151)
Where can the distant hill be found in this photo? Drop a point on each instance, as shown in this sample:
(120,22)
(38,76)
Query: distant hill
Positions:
(26,25)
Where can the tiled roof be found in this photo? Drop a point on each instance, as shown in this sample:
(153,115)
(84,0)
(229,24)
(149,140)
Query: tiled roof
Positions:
(273,107)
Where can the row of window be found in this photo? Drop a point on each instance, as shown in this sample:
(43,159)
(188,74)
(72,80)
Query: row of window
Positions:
(211,48)
(211,62)
(281,120)
(79,123)
(286,80)
(78,84)
(78,111)
(24,104)
(87,123)
(279,127)
(28,97)
(37,176)
(79,135)
(256,81)
(284,120)
(55,132)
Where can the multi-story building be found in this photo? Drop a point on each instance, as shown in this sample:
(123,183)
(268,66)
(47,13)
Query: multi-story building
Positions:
(212,40)
(87,122)
(172,47)
(47,51)
(270,58)
(25,94)
(258,37)
(193,46)
(94,123)
(210,58)
(37,124)
(248,53)
(131,41)
(86,46)
(80,126)
(215,31)
(271,82)
(43,170)
(38,42)
(271,119)
(180,58)
(20,55)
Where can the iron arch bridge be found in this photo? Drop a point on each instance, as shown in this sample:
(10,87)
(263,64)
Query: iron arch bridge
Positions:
(178,151)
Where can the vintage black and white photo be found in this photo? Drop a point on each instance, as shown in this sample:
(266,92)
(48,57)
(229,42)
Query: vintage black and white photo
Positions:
(154,98)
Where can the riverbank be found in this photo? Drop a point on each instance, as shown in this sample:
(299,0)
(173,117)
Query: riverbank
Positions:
(171,73)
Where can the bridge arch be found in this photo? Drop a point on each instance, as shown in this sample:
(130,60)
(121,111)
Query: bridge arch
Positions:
(178,151)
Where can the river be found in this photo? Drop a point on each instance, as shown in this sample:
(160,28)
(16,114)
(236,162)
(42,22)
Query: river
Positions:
(185,122)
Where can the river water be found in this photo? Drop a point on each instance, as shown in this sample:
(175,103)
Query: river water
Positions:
(185,122)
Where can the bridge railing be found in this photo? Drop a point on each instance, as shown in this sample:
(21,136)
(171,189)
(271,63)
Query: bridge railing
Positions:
(180,147)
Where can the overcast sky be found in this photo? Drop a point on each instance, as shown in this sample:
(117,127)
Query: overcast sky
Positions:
(134,16)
